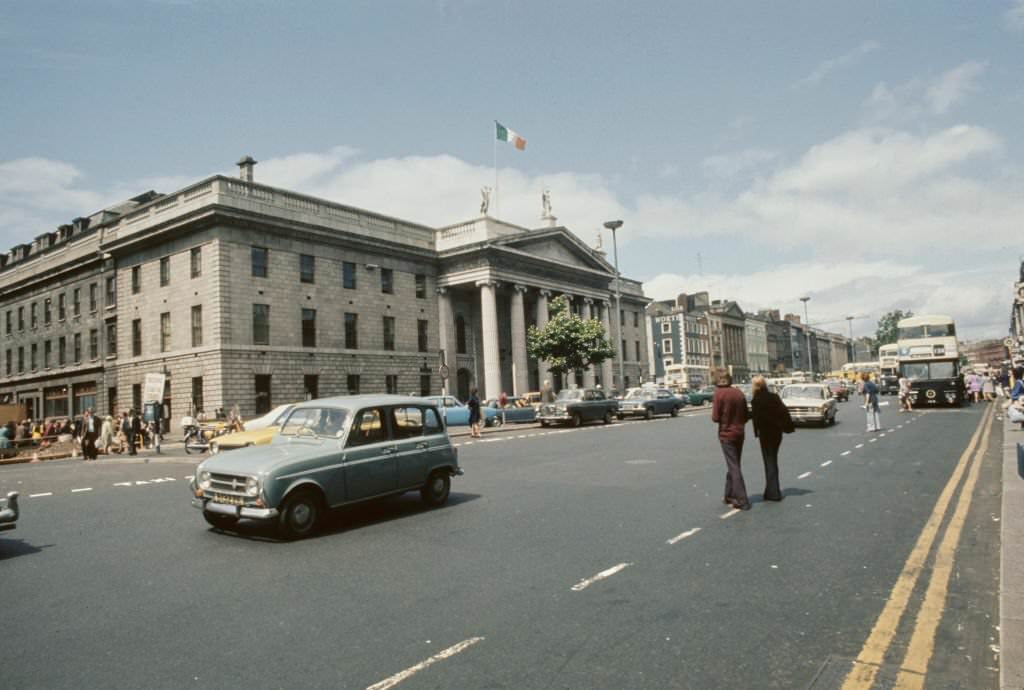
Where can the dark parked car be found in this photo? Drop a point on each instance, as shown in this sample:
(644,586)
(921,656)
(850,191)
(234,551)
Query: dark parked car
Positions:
(702,397)
(578,405)
(647,402)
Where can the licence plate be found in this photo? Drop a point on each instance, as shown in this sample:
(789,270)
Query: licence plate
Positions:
(230,500)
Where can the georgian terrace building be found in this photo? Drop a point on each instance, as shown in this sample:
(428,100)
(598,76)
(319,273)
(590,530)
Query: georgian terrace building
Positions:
(241,293)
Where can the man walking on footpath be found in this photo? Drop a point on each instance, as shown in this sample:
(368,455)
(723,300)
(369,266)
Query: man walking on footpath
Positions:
(131,430)
(729,412)
(89,432)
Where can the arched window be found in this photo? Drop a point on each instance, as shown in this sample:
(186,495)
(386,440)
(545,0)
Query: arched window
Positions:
(460,335)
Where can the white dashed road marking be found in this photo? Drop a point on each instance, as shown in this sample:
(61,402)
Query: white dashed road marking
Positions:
(583,584)
(805,475)
(48,493)
(845,452)
(872,440)
(141,482)
(412,670)
(684,535)
(859,445)
(826,463)
(123,484)
(75,491)
(729,514)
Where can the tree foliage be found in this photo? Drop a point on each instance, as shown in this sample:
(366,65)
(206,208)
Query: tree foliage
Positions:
(567,342)
(887,332)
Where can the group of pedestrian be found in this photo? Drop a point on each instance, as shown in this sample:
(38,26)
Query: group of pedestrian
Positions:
(771,419)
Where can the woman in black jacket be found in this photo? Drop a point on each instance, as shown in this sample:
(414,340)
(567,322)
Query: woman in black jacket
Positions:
(771,420)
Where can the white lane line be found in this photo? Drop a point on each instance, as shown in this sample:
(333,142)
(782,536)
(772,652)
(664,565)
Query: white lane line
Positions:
(48,493)
(826,463)
(189,477)
(87,488)
(530,435)
(845,452)
(859,445)
(456,445)
(413,670)
(684,535)
(882,435)
(521,436)
(899,426)
(729,514)
(141,482)
(168,479)
(583,584)
(123,484)
(805,475)
(872,440)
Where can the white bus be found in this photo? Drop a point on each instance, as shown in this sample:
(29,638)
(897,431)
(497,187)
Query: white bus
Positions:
(930,358)
(889,368)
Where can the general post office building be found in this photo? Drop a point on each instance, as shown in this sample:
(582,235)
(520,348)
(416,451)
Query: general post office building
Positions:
(244,294)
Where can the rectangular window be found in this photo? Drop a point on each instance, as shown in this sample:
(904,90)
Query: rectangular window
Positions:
(197,325)
(622,317)
(421,286)
(307,268)
(387,281)
(421,334)
(389,332)
(636,319)
(93,296)
(352,384)
(352,331)
(94,343)
(311,386)
(348,275)
(21,360)
(33,358)
(112,339)
(111,292)
(261,324)
(76,302)
(62,306)
(197,393)
(624,350)
(8,363)
(112,401)
(10,322)
(32,319)
(637,350)
(263,400)
(137,396)
(425,385)
(309,328)
(21,319)
(76,349)
(391,384)
(260,256)
(195,264)
(47,312)
(55,401)
(136,337)
(666,346)
(666,327)
(62,351)
(136,279)
(165,271)
(47,351)
(165,331)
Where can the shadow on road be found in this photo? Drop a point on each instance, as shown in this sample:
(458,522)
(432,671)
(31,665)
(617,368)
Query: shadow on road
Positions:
(11,548)
(791,491)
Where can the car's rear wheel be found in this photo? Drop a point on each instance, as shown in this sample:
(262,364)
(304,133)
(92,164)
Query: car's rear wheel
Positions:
(435,492)
(544,423)
(648,413)
(300,513)
(674,412)
(608,417)
(577,420)
(620,417)
(219,520)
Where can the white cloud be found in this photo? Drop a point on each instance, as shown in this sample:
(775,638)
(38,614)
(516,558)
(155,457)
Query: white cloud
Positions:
(924,97)
(1014,17)
(732,164)
(845,60)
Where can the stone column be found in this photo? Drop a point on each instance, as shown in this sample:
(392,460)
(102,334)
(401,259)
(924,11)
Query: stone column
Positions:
(446,326)
(542,319)
(589,380)
(520,362)
(489,332)
(606,366)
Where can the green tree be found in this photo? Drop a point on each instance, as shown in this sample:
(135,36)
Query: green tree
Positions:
(567,342)
(887,332)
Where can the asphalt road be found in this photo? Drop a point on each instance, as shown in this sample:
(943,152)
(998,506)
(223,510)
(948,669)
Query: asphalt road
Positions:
(592,558)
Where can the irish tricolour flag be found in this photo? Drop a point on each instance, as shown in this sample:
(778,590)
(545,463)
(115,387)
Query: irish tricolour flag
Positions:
(506,134)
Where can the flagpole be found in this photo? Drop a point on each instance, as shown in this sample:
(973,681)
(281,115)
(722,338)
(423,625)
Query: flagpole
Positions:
(494,142)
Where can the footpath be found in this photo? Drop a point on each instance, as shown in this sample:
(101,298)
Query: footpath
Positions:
(1011,576)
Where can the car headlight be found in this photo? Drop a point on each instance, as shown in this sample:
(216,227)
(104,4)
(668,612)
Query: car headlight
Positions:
(252,486)
(214,448)
(203,480)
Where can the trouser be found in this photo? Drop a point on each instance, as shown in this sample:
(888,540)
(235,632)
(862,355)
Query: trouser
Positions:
(131,443)
(770,455)
(874,421)
(735,487)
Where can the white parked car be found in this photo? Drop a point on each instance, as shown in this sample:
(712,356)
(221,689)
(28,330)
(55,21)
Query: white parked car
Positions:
(810,403)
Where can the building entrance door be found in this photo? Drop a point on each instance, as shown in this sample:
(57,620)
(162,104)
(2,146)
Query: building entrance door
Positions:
(464,379)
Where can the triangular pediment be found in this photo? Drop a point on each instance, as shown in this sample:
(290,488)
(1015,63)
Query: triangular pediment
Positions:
(558,245)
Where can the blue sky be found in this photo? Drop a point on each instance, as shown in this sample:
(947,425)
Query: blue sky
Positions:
(865,153)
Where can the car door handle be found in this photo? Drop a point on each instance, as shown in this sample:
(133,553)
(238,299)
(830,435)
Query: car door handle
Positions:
(421,445)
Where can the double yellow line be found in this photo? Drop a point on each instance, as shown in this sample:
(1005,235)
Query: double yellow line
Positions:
(922,642)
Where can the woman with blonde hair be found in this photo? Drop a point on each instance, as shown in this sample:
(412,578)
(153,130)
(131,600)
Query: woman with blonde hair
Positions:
(771,420)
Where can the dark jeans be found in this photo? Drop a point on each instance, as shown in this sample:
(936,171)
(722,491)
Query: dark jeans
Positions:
(770,455)
(735,488)
(131,443)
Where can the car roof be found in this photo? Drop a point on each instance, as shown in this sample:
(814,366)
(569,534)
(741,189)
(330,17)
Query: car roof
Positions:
(354,401)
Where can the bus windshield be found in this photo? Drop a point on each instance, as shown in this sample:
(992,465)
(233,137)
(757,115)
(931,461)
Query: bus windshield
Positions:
(924,371)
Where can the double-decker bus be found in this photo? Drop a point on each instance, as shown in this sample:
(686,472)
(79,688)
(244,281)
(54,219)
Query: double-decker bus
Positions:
(929,357)
(889,368)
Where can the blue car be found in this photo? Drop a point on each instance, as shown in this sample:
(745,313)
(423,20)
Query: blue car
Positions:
(517,410)
(457,414)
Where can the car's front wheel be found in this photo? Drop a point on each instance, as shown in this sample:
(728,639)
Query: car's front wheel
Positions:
(674,412)
(435,492)
(300,513)
(577,420)
(219,520)
(648,413)
(608,417)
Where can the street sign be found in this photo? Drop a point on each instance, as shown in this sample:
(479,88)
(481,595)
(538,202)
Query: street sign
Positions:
(153,388)
(443,370)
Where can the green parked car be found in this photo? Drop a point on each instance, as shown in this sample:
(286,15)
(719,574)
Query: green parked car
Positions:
(702,397)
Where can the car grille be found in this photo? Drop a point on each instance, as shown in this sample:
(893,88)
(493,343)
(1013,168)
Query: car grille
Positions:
(804,410)
(229,484)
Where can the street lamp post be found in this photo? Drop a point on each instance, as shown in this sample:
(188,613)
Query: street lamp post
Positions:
(807,330)
(853,347)
(614,225)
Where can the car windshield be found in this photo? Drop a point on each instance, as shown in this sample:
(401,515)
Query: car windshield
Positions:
(803,392)
(567,394)
(315,421)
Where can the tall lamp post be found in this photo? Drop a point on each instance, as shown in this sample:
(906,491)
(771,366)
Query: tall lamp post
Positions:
(807,330)
(853,347)
(614,225)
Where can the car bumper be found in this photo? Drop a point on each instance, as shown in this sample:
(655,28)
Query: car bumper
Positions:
(632,412)
(554,418)
(249,512)
(808,417)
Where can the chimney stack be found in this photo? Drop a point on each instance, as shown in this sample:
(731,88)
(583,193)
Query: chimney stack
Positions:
(245,166)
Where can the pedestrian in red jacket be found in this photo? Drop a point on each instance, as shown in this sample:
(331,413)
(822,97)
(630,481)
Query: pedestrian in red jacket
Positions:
(729,412)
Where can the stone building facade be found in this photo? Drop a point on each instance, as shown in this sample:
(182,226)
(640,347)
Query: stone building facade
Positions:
(244,294)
